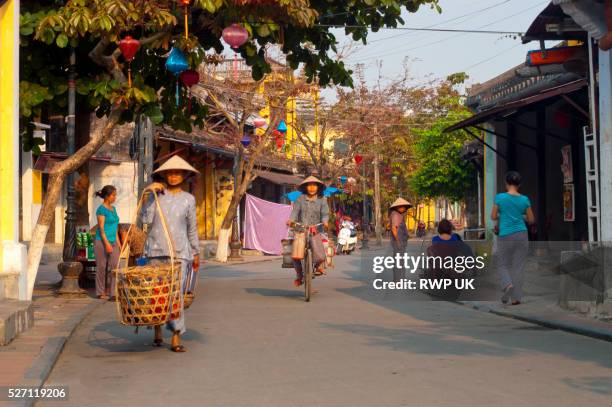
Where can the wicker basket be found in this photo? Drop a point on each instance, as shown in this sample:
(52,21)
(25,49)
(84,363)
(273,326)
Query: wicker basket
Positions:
(149,295)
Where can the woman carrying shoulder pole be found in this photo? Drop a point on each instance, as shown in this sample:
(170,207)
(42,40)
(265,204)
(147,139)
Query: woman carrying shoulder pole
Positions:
(179,210)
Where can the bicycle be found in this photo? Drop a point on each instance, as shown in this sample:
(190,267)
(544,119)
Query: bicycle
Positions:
(308,266)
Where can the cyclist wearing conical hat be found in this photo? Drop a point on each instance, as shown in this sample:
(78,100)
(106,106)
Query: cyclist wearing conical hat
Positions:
(309,209)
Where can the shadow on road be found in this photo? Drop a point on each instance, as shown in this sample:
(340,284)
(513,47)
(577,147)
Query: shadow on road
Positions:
(113,337)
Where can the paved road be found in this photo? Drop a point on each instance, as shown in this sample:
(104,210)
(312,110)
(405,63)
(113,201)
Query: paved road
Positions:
(253,341)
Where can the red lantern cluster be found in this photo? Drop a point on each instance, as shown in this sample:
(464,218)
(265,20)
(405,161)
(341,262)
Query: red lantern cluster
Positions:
(358,159)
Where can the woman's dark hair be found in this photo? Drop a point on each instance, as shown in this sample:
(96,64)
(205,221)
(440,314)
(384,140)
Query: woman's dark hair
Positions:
(513,178)
(106,191)
(445,227)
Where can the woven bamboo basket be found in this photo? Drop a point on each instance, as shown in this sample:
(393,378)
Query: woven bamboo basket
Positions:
(148,295)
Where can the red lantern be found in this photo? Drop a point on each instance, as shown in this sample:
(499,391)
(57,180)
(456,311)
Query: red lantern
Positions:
(358,159)
(235,35)
(185,2)
(189,78)
(129,47)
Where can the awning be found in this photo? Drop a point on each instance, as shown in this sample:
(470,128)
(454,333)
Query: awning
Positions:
(199,145)
(47,159)
(279,178)
(511,107)
(552,24)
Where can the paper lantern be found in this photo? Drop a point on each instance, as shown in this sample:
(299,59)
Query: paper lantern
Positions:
(190,77)
(176,63)
(358,159)
(235,35)
(246,140)
(259,122)
(129,47)
(343,180)
(282,126)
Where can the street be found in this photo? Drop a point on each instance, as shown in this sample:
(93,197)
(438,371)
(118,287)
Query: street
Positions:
(253,341)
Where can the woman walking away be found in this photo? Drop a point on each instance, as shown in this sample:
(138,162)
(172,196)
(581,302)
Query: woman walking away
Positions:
(399,231)
(106,246)
(512,210)
(179,210)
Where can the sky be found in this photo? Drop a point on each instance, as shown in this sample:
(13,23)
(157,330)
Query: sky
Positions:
(431,55)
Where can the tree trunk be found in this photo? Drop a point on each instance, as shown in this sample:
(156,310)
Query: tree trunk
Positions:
(54,188)
(226,225)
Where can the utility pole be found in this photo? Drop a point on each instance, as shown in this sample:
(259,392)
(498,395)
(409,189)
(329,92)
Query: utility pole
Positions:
(70,269)
(365,222)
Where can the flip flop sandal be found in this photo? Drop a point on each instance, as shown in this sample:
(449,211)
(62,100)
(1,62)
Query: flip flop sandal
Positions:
(158,343)
(298,282)
(178,349)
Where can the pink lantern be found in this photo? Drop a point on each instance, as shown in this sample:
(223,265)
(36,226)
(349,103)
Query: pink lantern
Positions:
(235,35)
(259,122)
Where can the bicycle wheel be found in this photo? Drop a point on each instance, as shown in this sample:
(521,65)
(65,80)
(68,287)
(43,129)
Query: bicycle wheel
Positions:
(307,275)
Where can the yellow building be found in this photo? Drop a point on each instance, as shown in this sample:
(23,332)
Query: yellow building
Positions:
(12,253)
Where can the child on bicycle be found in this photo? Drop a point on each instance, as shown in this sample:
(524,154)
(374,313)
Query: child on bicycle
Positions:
(309,209)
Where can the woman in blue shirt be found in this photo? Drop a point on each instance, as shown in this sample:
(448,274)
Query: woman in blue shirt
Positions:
(511,210)
(106,246)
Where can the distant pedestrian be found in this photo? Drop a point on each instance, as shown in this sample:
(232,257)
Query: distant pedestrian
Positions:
(399,230)
(106,246)
(511,210)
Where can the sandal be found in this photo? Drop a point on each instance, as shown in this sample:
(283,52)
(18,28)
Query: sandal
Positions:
(515,303)
(178,349)
(320,272)
(158,343)
(298,282)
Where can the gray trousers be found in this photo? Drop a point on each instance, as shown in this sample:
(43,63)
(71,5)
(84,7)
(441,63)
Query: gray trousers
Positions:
(177,324)
(104,260)
(398,247)
(510,258)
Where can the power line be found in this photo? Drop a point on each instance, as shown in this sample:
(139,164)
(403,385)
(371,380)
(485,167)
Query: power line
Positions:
(460,34)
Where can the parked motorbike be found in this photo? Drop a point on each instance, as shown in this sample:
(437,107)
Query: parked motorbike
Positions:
(347,238)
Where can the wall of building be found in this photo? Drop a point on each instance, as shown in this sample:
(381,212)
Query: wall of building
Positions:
(122,176)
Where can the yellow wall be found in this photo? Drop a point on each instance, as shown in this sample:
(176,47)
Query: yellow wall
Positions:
(9,137)
(426,213)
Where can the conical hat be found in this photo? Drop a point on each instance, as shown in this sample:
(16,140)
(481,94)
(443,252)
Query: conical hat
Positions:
(309,180)
(176,163)
(400,202)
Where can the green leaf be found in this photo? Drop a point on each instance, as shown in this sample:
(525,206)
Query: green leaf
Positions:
(61,40)
(155,114)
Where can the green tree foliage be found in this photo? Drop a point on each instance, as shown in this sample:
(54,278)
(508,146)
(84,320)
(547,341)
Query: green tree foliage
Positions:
(441,172)
(303,28)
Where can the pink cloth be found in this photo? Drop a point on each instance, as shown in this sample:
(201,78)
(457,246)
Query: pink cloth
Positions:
(265,225)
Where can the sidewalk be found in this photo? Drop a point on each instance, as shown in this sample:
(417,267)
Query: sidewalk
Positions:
(32,354)
(540,306)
